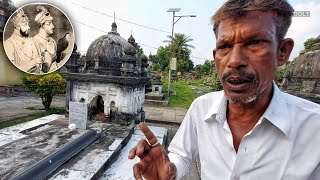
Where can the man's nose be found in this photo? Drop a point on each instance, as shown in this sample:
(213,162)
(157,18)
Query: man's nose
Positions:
(238,57)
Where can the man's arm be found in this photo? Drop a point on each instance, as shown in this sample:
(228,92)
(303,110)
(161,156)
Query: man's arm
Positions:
(184,146)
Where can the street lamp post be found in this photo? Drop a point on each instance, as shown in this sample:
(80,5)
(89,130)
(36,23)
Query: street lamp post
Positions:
(172,55)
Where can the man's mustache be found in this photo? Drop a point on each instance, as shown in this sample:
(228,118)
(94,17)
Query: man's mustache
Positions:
(240,74)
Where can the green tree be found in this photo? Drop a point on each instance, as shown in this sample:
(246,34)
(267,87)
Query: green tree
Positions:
(279,75)
(138,48)
(45,86)
(207,66)
(156,67)
(163,55)
(309,45)
(181,50)
(216,82)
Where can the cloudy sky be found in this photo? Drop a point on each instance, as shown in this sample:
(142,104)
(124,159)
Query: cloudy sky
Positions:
(150,23)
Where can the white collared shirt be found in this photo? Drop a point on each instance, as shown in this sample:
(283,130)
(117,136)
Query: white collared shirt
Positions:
(284,144)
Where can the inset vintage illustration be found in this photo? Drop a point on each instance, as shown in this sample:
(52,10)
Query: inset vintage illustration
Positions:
(38,38)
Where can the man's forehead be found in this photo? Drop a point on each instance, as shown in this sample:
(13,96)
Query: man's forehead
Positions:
(254,23)
(250,17)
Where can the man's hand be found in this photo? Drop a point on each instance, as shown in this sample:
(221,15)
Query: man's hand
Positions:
(154,161)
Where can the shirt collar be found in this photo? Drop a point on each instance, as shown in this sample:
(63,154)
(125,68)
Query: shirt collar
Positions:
(277,112)
(218,107)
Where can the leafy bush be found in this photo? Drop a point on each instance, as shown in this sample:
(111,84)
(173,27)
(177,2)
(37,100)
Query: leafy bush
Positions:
(309,45)
(279,75)
(45,86)
(216,82)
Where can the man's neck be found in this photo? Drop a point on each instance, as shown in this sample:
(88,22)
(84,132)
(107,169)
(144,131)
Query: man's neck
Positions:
(18,35)
(43,34)
(242,118)
(250,110)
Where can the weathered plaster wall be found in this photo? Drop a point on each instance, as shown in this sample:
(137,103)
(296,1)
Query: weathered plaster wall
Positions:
(302,77)
(127,99)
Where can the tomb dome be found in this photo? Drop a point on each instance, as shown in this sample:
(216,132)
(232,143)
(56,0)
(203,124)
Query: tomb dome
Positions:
(104,54)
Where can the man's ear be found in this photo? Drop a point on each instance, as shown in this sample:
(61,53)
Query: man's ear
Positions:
(284,51)
(214,54)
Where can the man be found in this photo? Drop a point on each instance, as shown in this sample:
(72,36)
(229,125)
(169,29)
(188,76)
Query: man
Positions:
(21,49)
(47,44)
(251,130)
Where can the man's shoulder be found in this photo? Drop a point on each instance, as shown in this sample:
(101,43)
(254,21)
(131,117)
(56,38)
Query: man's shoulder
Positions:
(302,104)
(51,39)
(9,41)
(210,96)
(36,38)
(208,100)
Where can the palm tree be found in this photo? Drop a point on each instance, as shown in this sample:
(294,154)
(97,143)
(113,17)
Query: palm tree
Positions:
(180,48)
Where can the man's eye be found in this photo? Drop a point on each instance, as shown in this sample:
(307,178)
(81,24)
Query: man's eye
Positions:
(255,42)
(225,46)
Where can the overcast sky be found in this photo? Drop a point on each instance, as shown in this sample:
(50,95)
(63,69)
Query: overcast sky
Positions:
(85,14)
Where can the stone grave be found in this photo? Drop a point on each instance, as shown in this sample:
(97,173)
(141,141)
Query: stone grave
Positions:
(156,97)
(78,114)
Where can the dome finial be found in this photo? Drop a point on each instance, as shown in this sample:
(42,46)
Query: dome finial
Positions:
(131,40)
(114,25)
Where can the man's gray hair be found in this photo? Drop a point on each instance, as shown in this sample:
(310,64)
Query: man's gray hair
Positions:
(235,9)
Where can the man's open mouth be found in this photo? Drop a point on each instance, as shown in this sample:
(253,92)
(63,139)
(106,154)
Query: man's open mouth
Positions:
(238,84)
(238,81)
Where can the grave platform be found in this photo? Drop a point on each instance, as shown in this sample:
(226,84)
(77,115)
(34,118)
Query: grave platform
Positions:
(51,150)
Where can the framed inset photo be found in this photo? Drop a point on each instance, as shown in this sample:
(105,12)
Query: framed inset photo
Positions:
(38,38)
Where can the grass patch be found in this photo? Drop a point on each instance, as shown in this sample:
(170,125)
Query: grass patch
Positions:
(53,110)
(185,95)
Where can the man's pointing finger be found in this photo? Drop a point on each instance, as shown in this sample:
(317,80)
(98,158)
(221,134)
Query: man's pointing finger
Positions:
(148,133)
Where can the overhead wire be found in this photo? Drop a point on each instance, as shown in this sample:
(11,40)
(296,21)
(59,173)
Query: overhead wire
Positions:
(120,19)
(142,44)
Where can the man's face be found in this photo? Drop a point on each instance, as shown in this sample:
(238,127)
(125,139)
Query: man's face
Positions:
(24,29)
(48,27)
(246,56)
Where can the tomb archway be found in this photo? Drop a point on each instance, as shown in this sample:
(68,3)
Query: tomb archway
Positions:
(113,110)
(96,106)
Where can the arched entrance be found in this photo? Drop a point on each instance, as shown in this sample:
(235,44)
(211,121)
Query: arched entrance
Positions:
(113,110)
(96,107)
